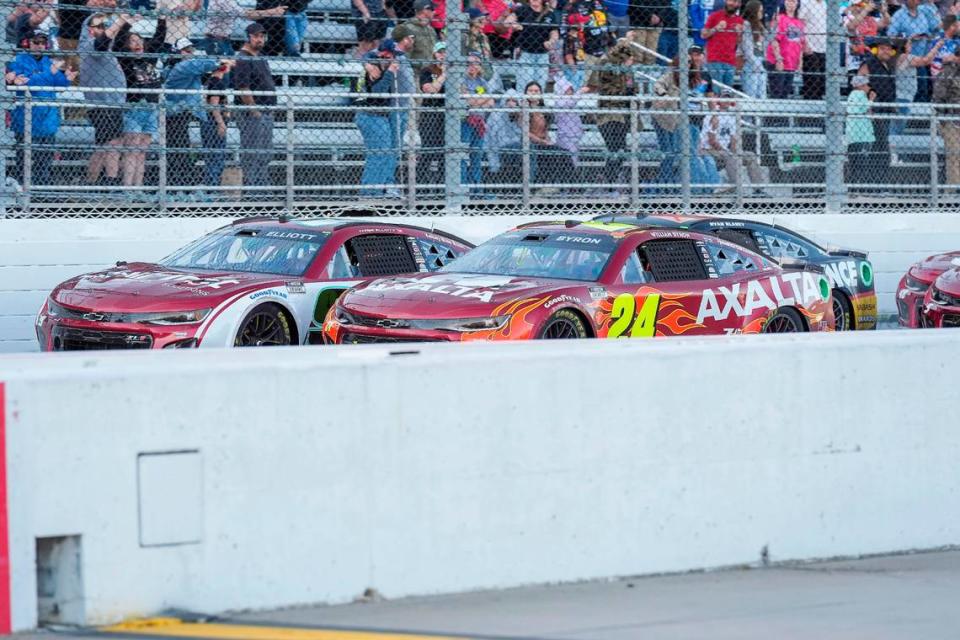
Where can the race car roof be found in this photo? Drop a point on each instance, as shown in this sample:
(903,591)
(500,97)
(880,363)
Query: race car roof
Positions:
(330,225)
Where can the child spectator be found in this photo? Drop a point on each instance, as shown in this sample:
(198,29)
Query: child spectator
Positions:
(860,138)
(785,52)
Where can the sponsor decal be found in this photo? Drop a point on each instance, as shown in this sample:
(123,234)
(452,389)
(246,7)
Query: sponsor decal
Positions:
(725,223)
(578,239)
(598,293)
(296,287)
(670,234)
(482,288)
(846,273)
(293,235)
(866,273)
(634,314)
(798,287)
(184,279)
(268,292)
(417,254)
(563,298)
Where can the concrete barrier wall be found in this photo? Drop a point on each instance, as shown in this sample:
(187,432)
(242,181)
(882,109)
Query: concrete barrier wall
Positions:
(259,478)
(35,255)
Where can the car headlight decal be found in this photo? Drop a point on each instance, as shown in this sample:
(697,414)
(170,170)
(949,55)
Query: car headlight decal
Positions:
(170,317)
(915,285)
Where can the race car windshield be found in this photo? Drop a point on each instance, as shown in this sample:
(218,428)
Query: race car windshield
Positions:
(539,254)
(274,252)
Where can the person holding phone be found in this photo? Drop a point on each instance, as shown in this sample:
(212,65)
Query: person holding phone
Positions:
(379,77)
(918,22)
(721,32)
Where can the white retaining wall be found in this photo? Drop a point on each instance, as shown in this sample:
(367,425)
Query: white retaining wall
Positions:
(35,255)
(313,474)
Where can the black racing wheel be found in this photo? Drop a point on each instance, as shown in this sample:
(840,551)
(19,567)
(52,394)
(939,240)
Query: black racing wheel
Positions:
(842,311)
(564,325)
(265,326)
(785,320)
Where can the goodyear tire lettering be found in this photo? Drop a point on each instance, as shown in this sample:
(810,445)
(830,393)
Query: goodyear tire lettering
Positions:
(624,316)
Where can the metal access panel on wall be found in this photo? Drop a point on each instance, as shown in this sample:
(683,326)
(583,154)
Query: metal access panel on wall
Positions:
(170,487)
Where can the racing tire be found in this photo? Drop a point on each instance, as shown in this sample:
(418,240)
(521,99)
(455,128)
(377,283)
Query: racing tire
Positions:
(842,311)
(564,325)
(265,326)
(785,320)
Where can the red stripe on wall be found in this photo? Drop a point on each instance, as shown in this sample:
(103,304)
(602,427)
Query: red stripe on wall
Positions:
(4,528)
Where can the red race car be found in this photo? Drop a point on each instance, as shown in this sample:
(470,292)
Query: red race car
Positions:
(256,282)
(914,290)
(595,279)
(941,304)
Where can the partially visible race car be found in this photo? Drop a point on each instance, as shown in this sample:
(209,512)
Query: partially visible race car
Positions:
(941,303)
(914,290)
(595,279)
(850,272)
(256,282)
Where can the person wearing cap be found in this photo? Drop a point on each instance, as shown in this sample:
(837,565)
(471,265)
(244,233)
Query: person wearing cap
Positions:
(35,67)
(424,36)
(540,34)
(431,122)
(222,16)
(881,69)
(920,23)
(374,119)
(720,140)
(182,108)
(585,36)
(863,21)
(475,37)
(252,74)
(859,134)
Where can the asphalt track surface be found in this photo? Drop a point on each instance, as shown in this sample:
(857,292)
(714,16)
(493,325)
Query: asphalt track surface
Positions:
(914,596)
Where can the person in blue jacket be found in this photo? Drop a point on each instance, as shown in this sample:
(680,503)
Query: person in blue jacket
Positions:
(34,68)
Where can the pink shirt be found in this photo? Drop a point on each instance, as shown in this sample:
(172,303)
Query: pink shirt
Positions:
(791,38)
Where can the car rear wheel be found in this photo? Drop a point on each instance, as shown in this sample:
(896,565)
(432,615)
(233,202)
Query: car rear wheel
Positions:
(564,325)
(842,311)
(265,326)
(785,320)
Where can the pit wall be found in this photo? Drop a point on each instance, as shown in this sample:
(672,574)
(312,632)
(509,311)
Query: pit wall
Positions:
(236,479)
(36,255)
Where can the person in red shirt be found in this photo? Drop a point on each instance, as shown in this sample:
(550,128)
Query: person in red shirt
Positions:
(500,27)
(722,32)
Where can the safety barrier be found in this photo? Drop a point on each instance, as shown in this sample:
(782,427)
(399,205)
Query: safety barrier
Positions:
(233,479)
(36,255)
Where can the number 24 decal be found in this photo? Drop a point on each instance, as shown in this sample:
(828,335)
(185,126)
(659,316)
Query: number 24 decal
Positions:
(641,323)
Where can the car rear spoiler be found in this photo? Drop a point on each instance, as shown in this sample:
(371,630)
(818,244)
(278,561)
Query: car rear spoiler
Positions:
(792,264)
(846,253)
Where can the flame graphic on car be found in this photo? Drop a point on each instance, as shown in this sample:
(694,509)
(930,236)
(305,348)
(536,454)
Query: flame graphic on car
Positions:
(673,318)
(518,328)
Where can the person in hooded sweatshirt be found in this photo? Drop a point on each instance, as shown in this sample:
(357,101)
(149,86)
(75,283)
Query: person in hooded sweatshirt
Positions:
(34,68)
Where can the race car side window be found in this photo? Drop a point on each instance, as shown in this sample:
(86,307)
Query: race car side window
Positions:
(672,260)
(743,237)
(632,272)
(436,254)
(728,260)
(340,267)
(780,244)
(381,255)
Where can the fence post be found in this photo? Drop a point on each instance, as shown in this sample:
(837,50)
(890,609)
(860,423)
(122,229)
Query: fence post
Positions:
(935,159)
(835,148)
(634,151)
(525,152)
(289,180)
(412,157)
(456,21)
(162,152)
(683,38)
(27,148)
(738,137)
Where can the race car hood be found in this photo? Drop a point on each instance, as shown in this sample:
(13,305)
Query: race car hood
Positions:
(928,269)
(444,295)
(949,282)
(145,287)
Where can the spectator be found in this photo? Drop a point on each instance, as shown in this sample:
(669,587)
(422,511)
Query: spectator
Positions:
(946,95)
(183,108)
(504,141)
(722,33)
(784,55)
(294,25)
(424,37)
(213,128)
(538,37)
(404,40)
(439,20)
(23,20)
(613,81)
(222,16)
(813,13)
(753,46)
(474,126)
(370,18)
(475,38)
(569,127)
(380,69)
(250,75)
(945,48)
(906,81)
(859,131)
(548,162)
(881,71)
(140,119)
(720,140)
(500,26)
(177,14)
(918,22)
(35,68)
(275,28)
(586,37)
(100,69)
(433,78)
(863,21)
(647,22)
